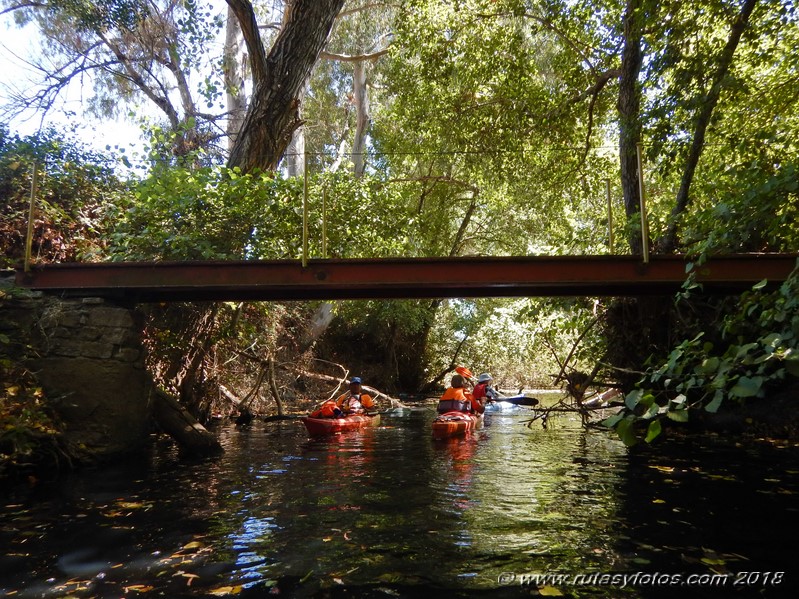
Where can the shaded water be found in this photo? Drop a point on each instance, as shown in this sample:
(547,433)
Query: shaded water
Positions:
(389,512)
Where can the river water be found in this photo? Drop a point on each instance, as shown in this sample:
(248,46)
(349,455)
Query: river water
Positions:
(388,512)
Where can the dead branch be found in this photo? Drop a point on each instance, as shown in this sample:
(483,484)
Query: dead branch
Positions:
(449,368)
(561,407)
(227,394)
(575,345)
(273,387)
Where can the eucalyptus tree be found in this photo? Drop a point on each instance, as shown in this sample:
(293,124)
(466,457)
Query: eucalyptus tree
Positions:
(133,53)
(335,107)
(157,52)
(278,77)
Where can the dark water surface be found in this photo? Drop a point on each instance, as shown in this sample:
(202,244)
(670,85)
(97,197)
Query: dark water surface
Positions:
(388,512)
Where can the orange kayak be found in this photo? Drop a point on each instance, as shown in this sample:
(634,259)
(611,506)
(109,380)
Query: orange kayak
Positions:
(453,424)
(329,426)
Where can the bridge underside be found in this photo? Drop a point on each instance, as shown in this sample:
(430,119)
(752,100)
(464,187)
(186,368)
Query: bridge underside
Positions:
(403,278)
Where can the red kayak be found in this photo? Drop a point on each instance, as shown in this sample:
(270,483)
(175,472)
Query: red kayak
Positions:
(453,424)
(329,426)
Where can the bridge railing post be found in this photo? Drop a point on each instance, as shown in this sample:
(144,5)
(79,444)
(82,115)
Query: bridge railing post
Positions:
(29,236)
(644,223)
(305,210)
(610,216)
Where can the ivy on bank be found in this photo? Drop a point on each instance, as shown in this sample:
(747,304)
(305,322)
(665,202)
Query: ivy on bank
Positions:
(758,353)
(30,431)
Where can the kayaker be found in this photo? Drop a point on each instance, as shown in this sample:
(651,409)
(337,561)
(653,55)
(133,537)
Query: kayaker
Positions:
(483,391)
(456,399)
(355,401)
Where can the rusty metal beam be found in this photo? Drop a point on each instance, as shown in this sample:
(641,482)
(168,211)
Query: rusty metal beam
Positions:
(403,278)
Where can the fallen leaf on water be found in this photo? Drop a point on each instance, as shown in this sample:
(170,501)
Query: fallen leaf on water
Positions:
(193,545)
(130,505)
(139,588)
(712,561)
(226,591)
(668,469)
(549,592)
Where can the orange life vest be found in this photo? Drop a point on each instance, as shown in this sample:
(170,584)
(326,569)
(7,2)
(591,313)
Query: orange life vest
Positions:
(455,399)
(329,409)
(353,404)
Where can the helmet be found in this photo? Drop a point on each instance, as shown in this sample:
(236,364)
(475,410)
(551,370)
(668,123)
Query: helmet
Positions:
(484,378)
(356,380)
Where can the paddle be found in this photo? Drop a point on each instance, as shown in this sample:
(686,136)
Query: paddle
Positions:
(519,400)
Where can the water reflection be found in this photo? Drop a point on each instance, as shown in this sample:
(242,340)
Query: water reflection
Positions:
(389,508)
(732,516)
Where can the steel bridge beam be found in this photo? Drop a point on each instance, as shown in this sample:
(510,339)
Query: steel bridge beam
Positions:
(403,277)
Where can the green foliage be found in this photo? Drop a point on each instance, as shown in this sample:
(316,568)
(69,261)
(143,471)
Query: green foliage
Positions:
(523,342)
(102,14)
(493,127)
(748,166)
(384,340)
(756,210)
(471,107)
(756,354)
(216,213)
(121,53)
(73,186)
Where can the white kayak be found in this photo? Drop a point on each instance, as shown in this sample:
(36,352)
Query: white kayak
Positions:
(501,406)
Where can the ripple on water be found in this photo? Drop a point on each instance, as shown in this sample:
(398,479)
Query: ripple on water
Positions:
(391,507)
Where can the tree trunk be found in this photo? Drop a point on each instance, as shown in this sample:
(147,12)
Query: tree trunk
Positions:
(278,79)
(188,379)
(179,424)
(361,116)
(232,62)
(669,241)
(629,106)
(295,154)
(320,321)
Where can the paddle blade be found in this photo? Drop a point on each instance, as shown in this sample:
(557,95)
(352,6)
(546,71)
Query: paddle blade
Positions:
(528,401)
(521,400)
(463,371)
